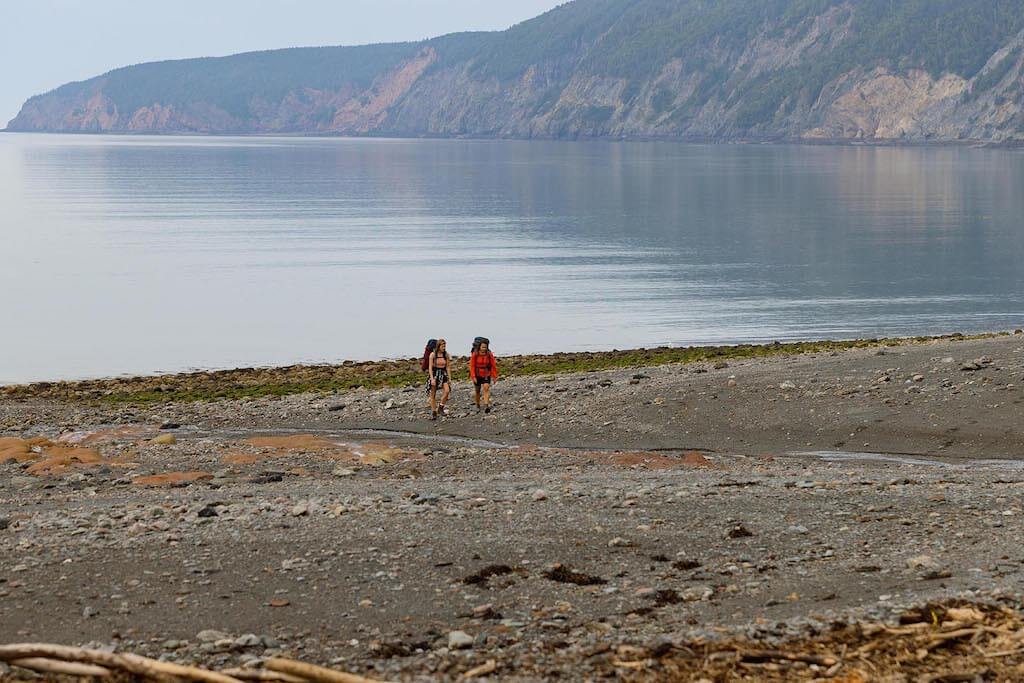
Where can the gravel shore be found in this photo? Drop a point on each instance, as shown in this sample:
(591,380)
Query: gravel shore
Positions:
(761,498)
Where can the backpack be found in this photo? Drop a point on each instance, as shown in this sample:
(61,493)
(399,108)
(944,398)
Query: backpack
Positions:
(480,340)
(425,361)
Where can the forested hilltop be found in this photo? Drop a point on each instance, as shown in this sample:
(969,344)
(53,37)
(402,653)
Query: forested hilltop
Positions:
(911,70)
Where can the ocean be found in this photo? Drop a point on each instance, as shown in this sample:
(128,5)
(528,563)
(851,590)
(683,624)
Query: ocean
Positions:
(125,255)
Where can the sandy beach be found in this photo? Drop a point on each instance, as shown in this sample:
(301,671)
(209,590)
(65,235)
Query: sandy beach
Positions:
(597,523)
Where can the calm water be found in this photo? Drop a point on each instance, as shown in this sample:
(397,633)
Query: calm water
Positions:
(123,255)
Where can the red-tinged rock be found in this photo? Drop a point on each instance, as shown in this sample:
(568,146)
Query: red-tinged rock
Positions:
(57,459)
(695,459)
(22,450)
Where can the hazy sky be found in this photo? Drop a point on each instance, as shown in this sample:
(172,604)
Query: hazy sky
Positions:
(45,43)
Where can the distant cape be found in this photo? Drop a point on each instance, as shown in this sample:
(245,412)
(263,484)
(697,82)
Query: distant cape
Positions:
(830,70)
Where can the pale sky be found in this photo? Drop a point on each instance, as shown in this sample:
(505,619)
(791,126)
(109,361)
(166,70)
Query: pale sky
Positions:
(46,43)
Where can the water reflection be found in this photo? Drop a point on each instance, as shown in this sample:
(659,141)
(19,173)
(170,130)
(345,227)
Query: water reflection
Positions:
(137,254)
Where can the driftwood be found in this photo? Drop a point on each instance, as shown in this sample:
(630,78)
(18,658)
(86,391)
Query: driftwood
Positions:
(140,666)
(77,661)
(262,675)
(488,667)
(312,672)
(52,666)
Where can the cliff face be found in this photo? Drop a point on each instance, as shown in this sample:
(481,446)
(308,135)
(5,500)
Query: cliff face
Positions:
(777,69)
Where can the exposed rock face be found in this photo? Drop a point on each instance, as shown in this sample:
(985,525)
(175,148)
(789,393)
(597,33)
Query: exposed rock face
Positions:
(887,106)
(370,111)
(765,86)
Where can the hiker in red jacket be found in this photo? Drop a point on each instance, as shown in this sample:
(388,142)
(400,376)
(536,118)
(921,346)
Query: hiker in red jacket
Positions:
(483,371)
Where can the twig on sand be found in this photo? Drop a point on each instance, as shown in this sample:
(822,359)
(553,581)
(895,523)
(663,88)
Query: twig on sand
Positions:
(820,660)
(1004,653)
(953,678)
(940,638)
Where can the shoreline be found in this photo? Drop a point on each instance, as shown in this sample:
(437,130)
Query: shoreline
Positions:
(284,380)
(1011,144)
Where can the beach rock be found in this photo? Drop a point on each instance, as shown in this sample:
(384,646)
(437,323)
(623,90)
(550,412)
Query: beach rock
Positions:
(739,531)
(540,494)
(697,593)
(248,640)
(787,386)
(211,636)
(300,509)
(459,640)
(165,440)
(976,364)
(377,459)
(922,562)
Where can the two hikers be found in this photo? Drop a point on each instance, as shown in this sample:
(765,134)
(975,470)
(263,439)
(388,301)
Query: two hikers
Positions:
(483,372)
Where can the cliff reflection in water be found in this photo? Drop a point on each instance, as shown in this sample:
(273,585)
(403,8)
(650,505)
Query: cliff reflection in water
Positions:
(168,253)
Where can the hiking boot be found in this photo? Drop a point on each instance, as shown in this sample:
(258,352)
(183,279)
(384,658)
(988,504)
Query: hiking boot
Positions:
(434,416)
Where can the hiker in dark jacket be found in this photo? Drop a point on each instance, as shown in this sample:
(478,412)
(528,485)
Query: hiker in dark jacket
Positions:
(440,378)
(483,371)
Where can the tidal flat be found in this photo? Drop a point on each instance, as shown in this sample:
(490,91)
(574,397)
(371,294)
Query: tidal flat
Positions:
(633,515)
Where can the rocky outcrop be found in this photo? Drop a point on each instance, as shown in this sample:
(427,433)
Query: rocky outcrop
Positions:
(807,77)
(887,106)
(369,111)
